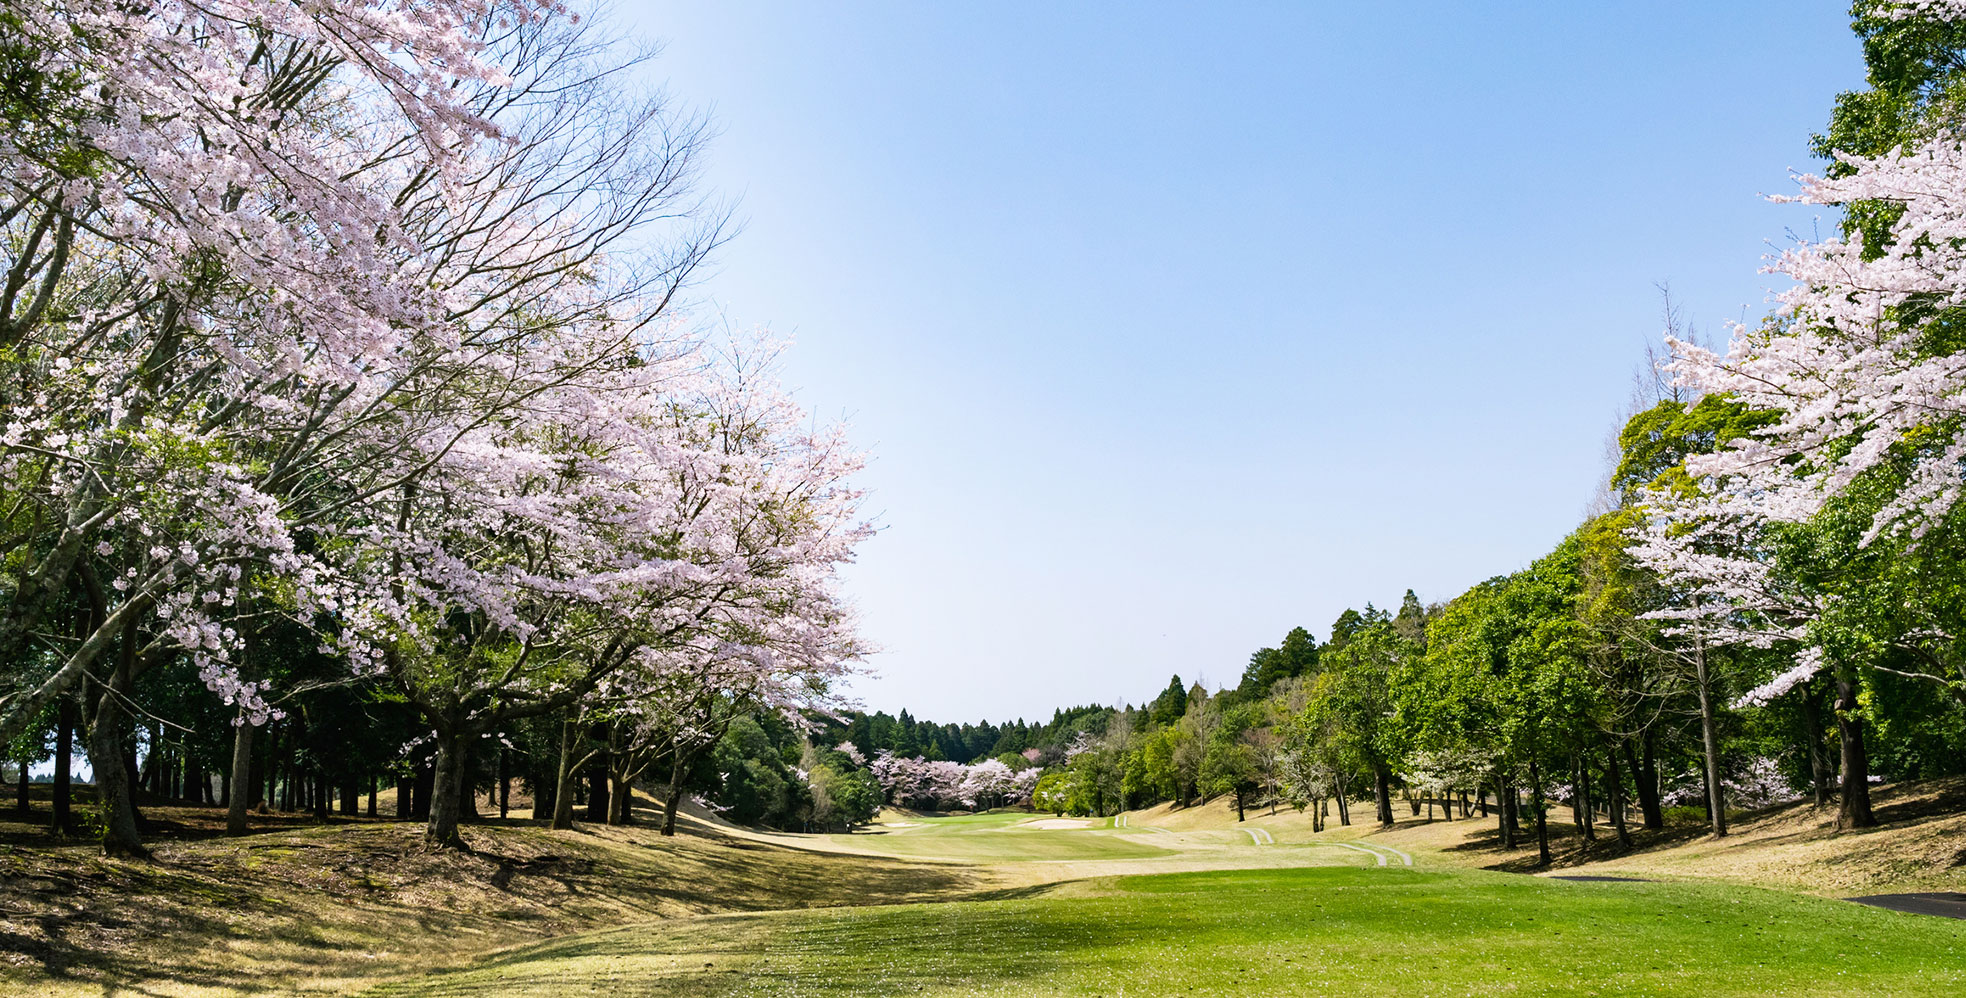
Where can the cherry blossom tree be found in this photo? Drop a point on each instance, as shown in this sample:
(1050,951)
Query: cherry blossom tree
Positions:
(1859,368)
(348,313)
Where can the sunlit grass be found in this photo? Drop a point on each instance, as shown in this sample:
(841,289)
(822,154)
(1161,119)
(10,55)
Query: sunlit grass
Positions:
(1000,837)
(1324,930)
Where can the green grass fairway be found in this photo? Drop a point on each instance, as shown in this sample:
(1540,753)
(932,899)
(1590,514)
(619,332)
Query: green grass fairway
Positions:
(999,838)
(1308,931)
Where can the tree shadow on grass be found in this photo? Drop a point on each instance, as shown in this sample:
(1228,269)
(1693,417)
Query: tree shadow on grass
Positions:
(368,901)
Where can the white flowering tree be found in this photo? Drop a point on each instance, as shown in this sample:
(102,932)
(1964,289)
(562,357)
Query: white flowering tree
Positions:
(1827,532)
(347,312)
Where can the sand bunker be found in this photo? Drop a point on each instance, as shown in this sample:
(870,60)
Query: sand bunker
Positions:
(1050,823)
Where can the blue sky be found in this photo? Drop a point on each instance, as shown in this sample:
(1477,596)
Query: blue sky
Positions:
(1170,328)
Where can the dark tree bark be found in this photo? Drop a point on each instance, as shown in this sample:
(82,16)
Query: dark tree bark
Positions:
(1812,733)
(69,717)
(1855,811)
(243,777)
(421,791)
(1382,785)
(1645,776)
(150,776)
(467,774)
(1617,786)
(114,793)
(1542,814)
(375,787)
(405,798)
(351,792)
(447,788)
(1509,806)
(269,771)
(597,789)
(26,785)
(504,784)
(1586,807)
(545,795)
(675,791)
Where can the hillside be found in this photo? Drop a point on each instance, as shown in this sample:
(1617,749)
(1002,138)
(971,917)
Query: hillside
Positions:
(330,908)
(1920,844)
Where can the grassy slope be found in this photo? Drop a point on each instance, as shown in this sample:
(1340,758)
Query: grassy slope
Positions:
(1439,929)
(1920,845)
(329,909)
(1321,930)
(997,837)
(334,909)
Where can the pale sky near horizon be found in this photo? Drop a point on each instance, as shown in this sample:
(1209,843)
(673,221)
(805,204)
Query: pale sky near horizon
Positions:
(1169,328)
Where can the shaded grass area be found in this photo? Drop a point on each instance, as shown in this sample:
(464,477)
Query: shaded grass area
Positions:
(1324,930)
(1919,845)
(331,909)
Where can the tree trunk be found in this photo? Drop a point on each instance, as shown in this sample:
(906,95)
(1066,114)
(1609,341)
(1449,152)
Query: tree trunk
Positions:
(619,799)
(1238,803)
(1542,813)
(545,793)
(1344,811)
(405,797)
(467,788)
(106,758)
(597,788)
(1855,812)
(468,782)
(1587,816)
(675,791)
(563,784)
(322,793)
(1812,733)
(69,717)
(421,791)
(1617,782)
(351,793)
(446,791)
(1710,745)
(1645,776)
(242,777)
(1382,785)
(504,784)
(1505,799)
(151,776)
(375,785)
(26,785)
(268,770)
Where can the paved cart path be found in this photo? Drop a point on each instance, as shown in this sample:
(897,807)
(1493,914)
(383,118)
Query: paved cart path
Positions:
(1946,904)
